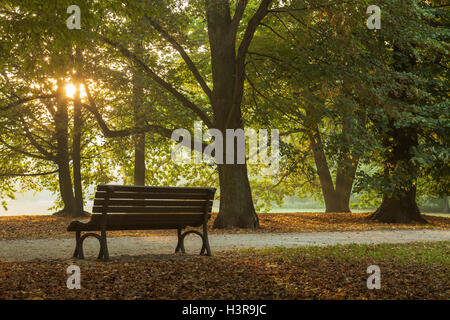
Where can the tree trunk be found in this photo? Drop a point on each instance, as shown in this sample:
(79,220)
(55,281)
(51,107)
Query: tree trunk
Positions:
(344,184)
(62,153)
(139,160)
(337,199)
(65,187)
(445,207)
(399,201)
(139,121)
(326,182)
(236,203)
(76,151)
(349,159)
(399,205)
(399,210)
(335,202)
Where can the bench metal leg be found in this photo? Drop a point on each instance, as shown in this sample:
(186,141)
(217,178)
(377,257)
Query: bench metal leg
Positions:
(180,244)
(78,246)
(103,253)
(103,247)
(205,242)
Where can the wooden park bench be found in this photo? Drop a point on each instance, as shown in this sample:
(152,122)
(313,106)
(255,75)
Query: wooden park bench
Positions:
(119,207)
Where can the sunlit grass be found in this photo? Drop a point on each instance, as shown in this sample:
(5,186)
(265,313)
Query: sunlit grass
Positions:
(423,253)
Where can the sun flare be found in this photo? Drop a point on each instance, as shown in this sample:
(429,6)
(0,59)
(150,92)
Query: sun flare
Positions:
(71,90)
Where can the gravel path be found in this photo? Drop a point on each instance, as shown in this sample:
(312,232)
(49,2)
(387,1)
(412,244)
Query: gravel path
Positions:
(48,249)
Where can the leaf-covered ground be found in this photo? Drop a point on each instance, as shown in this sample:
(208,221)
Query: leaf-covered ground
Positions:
(44,226)
(408,271)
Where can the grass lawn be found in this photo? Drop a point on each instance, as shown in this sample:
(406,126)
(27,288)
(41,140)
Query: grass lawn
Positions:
(45,226)
(408,271)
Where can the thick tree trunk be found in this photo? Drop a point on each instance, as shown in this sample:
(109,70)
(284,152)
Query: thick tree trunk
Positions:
(399,205)
(403,209)
(326,182)
(399,200)
(336,203)
(62,153)
(236,204)
(76,153)
(445,207)
(336,199)
(336,196)
(344,184)
(139,120)
(65,188)
(139,160)
(349,161)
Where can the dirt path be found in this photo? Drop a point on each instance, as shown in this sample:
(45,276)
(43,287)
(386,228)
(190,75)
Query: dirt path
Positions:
(47,249)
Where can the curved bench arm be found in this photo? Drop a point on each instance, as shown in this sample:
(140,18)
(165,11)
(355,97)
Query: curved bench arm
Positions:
(103,253)
(180,244)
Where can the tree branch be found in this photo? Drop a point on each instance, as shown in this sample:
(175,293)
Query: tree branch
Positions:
(28,174)
(178,95)
(250,31)
(92,107)
(273,31)
(260,13)
(18,150)
(239,12)
(165,132)
(309,7)
(183,54)
(34,143)
(23,100)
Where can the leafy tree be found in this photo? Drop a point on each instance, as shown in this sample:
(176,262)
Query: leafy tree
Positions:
(226,38)
(36,111)
(409,110)
(308,84)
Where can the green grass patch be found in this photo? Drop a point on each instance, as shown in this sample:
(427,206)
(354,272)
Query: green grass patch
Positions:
(422,253)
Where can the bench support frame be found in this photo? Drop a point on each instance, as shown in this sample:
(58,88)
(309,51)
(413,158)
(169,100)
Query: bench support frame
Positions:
(206,250)
(104,254)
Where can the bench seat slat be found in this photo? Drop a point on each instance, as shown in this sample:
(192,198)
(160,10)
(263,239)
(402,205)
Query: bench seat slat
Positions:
(196,209)
(142,203)
(153,195)
(154,189)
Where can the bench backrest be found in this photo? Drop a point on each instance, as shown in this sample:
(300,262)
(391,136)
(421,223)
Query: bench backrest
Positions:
(142,199)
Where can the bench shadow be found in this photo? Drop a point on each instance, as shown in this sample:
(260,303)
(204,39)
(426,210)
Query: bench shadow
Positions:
(140,258)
